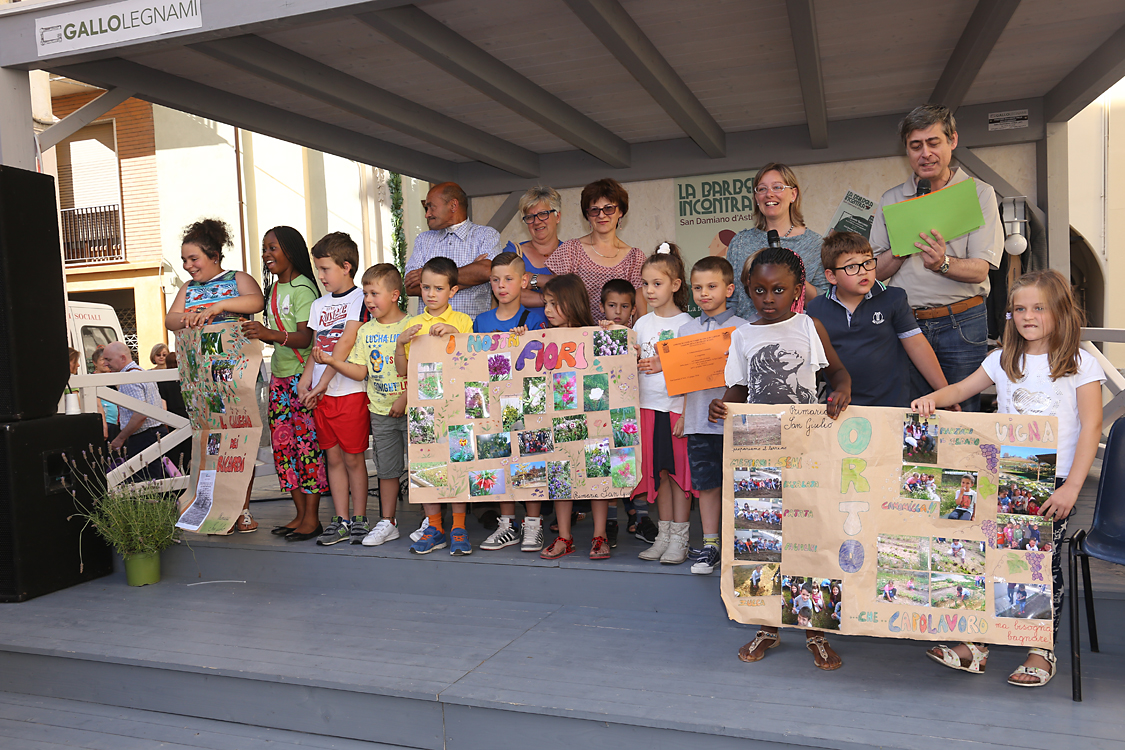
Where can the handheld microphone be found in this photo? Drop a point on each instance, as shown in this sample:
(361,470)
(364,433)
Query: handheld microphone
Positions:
(774,239)
(923,187)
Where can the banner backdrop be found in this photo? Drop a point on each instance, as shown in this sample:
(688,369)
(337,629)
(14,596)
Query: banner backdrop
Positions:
(218,371)
(710,210)
(886,524)
(552,414)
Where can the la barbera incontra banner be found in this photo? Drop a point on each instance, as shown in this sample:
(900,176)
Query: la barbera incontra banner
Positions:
(549,415)
(888,524)
(218,371)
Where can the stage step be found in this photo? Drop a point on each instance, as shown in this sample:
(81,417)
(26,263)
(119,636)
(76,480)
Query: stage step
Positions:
(622,582)
(36,723)
(434,672)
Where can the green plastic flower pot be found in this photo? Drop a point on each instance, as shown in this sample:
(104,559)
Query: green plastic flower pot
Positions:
(142,568)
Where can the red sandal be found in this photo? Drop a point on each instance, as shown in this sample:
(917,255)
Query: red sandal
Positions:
(600,549)
(558,548)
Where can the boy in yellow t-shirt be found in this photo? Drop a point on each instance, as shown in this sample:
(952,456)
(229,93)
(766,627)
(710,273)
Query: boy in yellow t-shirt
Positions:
(439,284)
(373,357)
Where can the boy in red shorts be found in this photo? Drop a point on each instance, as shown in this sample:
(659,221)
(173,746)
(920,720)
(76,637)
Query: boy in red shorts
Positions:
(340,403)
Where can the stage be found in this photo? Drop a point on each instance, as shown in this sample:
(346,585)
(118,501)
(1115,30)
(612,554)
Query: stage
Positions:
(250,641)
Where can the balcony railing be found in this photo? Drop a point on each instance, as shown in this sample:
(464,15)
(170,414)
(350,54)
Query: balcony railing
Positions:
(92,235)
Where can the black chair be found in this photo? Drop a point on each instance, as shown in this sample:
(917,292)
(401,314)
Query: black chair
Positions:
(1105,540)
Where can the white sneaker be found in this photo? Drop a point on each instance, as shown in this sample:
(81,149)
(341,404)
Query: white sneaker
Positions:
(416,535)
(384,531)
(533,537)
(506,535)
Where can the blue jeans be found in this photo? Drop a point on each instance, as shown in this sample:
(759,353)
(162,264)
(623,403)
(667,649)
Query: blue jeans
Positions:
(960,342)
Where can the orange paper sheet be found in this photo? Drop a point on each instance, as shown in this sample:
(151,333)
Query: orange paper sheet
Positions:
(696,362)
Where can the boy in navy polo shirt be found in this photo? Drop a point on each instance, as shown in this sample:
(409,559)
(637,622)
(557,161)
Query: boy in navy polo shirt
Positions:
(870,325)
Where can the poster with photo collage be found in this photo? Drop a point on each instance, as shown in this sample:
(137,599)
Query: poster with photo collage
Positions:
(549,415)
(218,371)
(890,524)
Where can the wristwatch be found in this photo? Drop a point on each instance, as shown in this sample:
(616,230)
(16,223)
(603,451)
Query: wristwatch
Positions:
(944,267)
(535,281)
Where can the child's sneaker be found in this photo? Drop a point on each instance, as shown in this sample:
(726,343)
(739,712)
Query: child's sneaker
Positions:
(430,541)
(708,560)
(384,531)
(335,532)
(506,535)
(533,538)
(459,542)
(646,530)
(417,535)
(359,528)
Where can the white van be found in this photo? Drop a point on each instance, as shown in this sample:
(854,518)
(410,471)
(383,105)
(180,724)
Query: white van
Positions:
(88,326)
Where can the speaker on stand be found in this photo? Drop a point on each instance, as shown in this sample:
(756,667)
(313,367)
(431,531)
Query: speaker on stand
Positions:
(40,549)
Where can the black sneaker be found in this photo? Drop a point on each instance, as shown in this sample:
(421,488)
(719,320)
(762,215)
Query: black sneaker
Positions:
(708,561)
(611,531)
(646,530)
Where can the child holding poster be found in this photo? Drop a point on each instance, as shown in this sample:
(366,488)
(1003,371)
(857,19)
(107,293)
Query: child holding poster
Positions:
(712,282)
(566,303)
(1042,357)
(508,280)
(338,402)
(297,456)
(774,360)
(439,284)
(856,312)
(373,358)
(665,473)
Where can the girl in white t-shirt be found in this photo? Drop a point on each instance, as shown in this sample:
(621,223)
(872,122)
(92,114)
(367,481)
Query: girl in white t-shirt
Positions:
(1040,370)
(665,476)
(774,360)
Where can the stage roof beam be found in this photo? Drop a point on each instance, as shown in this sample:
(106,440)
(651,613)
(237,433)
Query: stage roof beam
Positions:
(1090,79)
(198,99)
(439,45)
(314,79)
(625,40)
(806,48)
(986,24)
(82,117)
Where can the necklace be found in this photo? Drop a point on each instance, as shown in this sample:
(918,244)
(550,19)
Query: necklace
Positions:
(609,257)
(789,232)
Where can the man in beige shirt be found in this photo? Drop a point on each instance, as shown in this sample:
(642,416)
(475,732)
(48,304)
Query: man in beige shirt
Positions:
(947,282)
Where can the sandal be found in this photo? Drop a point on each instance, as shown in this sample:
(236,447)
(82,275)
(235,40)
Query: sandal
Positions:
(559,548)
(946,656)
(820,654)
(246,523)
(600,549)
(1039,673)
(750,652)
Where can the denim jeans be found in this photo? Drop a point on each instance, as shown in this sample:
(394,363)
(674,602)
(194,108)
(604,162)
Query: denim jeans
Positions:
(960,342)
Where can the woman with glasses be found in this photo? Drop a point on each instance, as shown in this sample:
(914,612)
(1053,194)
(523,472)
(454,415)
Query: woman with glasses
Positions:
(777,206)
(601,255)
(541,211)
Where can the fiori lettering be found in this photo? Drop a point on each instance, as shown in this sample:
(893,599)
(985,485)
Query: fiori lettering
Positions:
(553,357)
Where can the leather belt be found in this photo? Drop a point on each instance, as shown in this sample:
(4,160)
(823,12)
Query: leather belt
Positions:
(942,311)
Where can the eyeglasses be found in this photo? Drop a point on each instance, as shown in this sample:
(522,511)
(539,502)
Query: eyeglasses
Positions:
(541,216)
(595,211)
(762,189)
(853,268)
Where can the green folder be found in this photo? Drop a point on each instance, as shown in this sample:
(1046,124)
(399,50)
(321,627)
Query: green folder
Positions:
(953,211)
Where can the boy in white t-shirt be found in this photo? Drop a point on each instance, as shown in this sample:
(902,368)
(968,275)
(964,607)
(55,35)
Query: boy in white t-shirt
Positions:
(340,402)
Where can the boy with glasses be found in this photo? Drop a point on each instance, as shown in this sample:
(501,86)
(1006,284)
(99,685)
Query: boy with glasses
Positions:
(870,324)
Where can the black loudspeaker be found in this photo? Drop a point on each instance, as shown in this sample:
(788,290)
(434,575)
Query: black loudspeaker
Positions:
(34,366)
(39,547)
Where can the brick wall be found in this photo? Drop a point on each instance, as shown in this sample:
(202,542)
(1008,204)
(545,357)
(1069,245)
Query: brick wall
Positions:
(136,150)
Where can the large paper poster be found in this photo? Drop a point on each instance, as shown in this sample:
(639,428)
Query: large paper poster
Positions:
(551,415)
(883,523)
(218,371)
